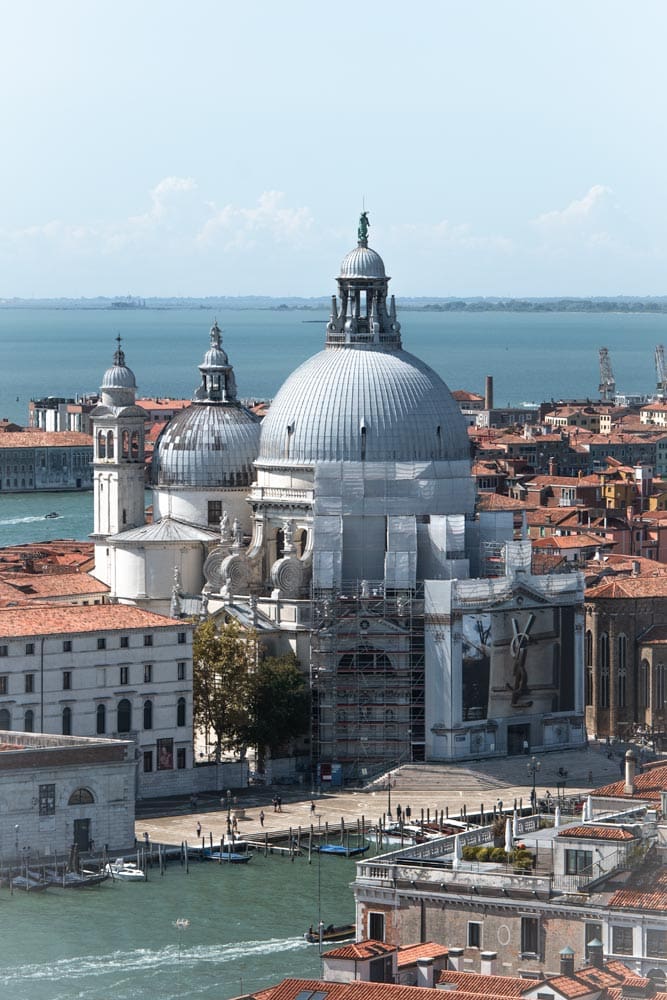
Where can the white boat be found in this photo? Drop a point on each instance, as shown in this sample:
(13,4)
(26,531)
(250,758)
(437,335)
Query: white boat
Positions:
(125,871)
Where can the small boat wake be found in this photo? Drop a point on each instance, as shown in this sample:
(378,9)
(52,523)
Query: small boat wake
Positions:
(27,520)
(144,961)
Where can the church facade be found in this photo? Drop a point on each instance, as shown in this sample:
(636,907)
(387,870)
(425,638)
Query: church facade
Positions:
(345,528)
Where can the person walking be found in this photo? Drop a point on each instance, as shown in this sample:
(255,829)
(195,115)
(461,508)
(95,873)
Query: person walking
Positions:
(261,817)
(198,829)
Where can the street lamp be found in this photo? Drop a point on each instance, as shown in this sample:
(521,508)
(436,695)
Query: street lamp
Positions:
(533,767)
(389,795)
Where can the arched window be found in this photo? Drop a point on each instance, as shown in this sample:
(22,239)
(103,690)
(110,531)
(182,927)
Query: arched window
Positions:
(81,797)
(589,648)
(621,682)
(67,721)
(101,445)
(110,444)
(101,719)
(603,687)
(644,685)
(5,719)
(124,720)
(134,445)
(29,721)
(148,715)
(603,650)
(126,444)
(588,678)
(180,712)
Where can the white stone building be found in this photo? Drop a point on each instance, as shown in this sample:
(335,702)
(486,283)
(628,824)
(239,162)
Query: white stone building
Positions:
(103,670)
(346,529)
(56,791)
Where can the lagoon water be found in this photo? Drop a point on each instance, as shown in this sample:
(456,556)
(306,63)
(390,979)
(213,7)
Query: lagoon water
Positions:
(120,940)
(531,356)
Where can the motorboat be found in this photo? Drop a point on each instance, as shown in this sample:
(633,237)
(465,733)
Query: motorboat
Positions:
(124,871)
(330,934)
(53,513)
(342,850)
(225,856)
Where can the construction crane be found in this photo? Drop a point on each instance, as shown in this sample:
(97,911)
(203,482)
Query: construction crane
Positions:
(607,387)
(660,370)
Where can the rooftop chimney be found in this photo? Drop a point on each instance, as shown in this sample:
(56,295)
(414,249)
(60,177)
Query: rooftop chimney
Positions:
(425,970)
(567,961)
(488,392)
(595,954)
(489,963)
(630,771)
(455,959)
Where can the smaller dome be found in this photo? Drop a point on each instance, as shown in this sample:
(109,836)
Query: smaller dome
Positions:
(119,376)
(215,357)
(362,262)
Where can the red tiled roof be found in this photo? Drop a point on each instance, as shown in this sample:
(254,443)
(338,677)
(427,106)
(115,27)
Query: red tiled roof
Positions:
(648,785)
(72,618)
(476,983)
(429,949)
(571,542)
(634,899)
(597,833)
(46,439)
(361,950)
(568,986)
(36,586)
(629,586)
(495,501)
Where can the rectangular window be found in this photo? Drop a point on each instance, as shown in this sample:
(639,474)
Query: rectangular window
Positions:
(182,638)
(592,932)
(621,940)
(29,683)
(148,673)
(67,646)
(148,640)
(656,944)
(29,649)
(474,934)
(181,670)
(3,684)
(101,642)
(180,758)
(578,862)
(148,760)
(47,800)
(4,650)
(67,680)
(530,929)
(214,512)
(124,675)
(124,641)
(376,926)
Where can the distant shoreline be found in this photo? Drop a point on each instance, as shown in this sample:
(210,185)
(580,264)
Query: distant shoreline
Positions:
(625,305)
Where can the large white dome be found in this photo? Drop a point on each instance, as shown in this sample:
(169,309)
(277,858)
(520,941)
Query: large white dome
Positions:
(362,404)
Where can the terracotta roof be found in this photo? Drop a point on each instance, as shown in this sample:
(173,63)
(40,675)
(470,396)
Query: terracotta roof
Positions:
(571,542)
(163,404)
(597,833)
(46,439)
(73,618)
(289,989)
(476,983)
(463,395)
(629,586)
(361,950)
(648,785)
(633,899)
(429,949)
(39,586)
(495,501)
(568,986)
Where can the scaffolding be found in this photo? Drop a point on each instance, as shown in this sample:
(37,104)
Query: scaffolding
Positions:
(368,676)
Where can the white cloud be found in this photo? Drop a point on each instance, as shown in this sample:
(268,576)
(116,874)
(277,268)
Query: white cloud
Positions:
(444,234)
(578,212)
(234,227)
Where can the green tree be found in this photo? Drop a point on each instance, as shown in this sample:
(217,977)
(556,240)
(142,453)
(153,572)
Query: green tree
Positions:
(224,657)
(279,705)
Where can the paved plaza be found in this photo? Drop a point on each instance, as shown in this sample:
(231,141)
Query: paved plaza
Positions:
(420,786)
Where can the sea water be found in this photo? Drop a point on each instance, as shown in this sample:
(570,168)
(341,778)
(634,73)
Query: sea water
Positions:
(533,357)
(245,931)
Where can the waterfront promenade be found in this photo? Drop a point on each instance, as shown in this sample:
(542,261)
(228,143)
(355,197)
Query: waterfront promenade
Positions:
(425,786)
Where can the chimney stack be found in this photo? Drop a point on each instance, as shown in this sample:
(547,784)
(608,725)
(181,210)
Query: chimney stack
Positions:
(425,972)
(455,959)
(595,955)
(488,392)
(489,963)
(630,772)
(567,961)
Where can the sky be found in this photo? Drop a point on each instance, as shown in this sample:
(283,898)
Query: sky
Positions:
(501,147)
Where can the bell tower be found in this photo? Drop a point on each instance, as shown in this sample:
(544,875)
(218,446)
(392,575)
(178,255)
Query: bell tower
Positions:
(118,460)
